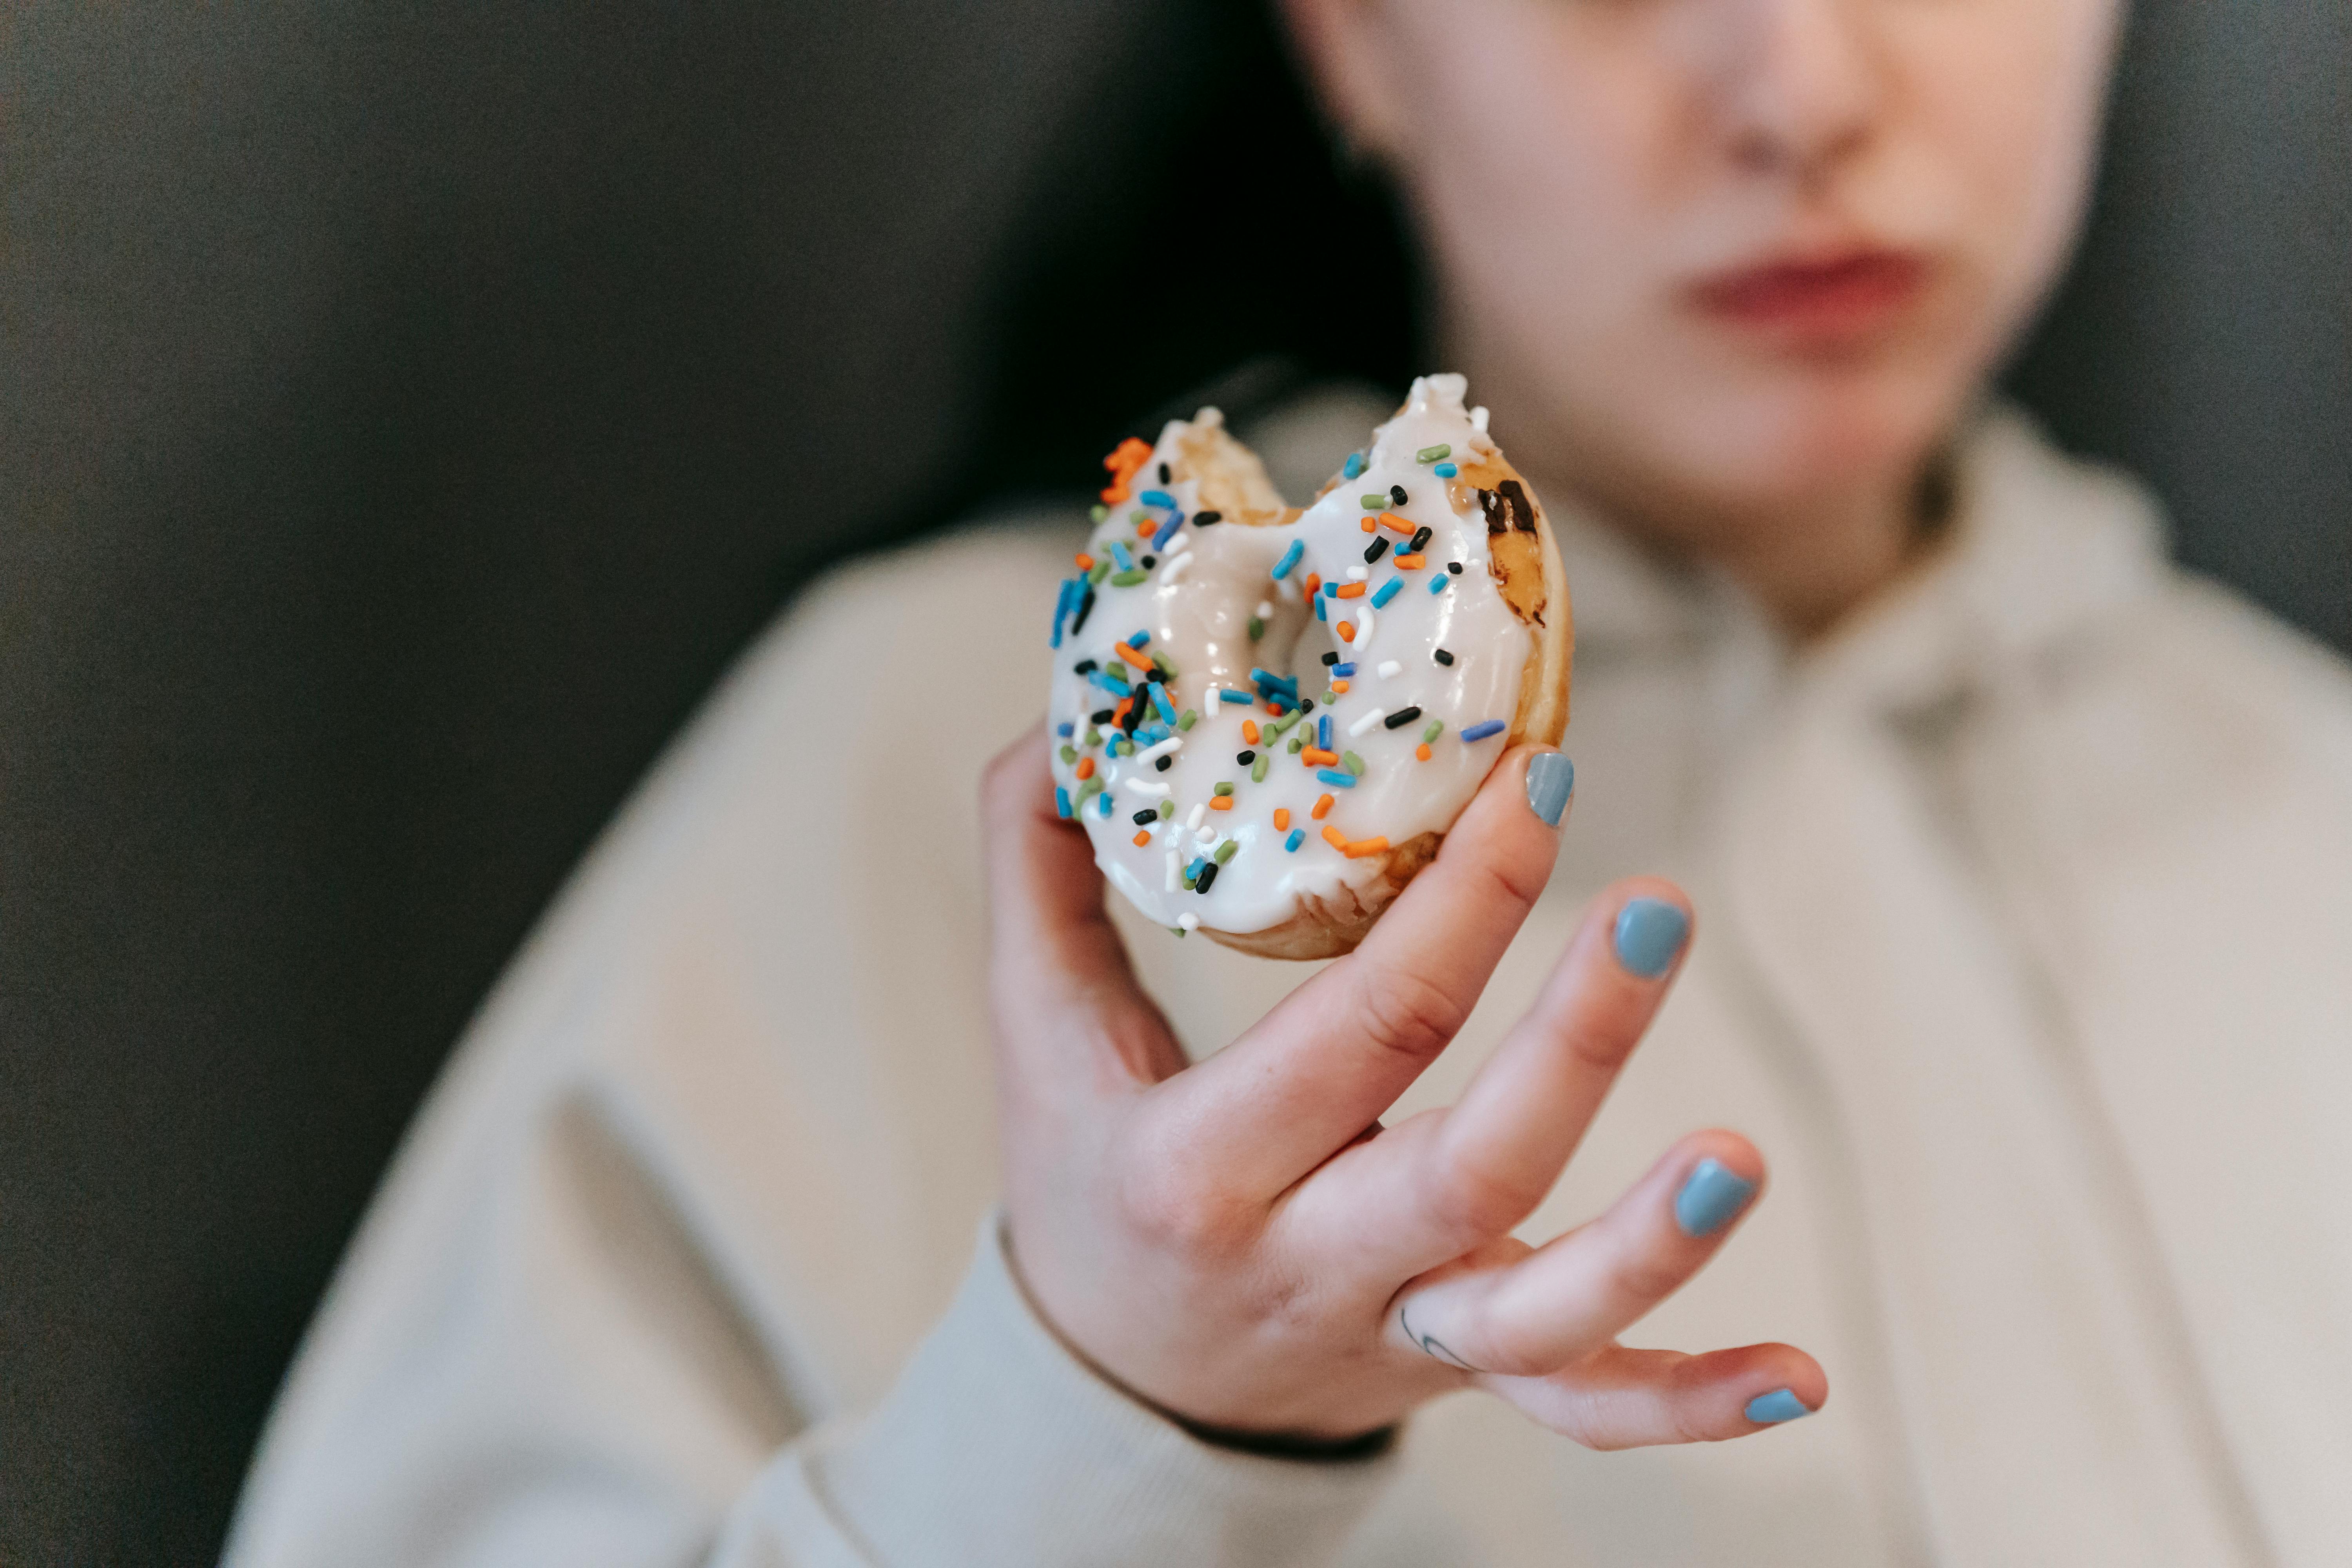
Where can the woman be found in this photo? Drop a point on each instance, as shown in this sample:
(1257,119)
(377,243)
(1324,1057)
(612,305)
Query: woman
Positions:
(2016,963)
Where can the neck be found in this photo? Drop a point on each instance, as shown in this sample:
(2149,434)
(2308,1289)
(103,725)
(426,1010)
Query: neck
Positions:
(1811,567)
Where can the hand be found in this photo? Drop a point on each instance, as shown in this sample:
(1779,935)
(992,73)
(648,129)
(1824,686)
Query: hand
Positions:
(1239,1243)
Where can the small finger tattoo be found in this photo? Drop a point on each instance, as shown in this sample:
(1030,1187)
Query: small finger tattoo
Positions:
(1429,1345)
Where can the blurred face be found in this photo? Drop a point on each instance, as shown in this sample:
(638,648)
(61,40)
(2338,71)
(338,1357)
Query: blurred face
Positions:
(1727,260)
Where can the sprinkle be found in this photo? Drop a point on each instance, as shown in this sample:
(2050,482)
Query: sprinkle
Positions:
(1226,850)
(1257,627)
(1357,574)
(1064,729)
(1375,550)
(1265,677)
(1396,494)
(1164,665)
(1207,519)
(1370,522)
(1404,525)
(1388,668)
(1347,632)
(1157,498)
(1352,762)
(1363,847)
(1314,582)
(1368,720)
(1061,611)
(1149,813)
(1119,554)
(1187,922)
(1446,470)
(1159,701)
(1400,718)
(1421,751)
(1127,652)
(1336,779)
(1352,467)
(1480,732)
(1193,821)
(1441,656)
(1298,837)
(1177,567)
(1319,602)
(1173,744)
(1387,591)
(1335,839)
(1257,770)
(1166,529)
(1223,802)
(1323,731)
(1085,605)
(1437,585)
(1128,578)
(1069,753)
(1289,559)
(1099,511)
(1322,807)
(1208,875)
(1409,562)
(1426,455)
(1142,837)
(1167,807)
(1187,718)
(1105,807)
(1431,731)
(1093,737)
(1192,873)
(1243,697)
(1281,817)
(1455,567)
(1222,789)
(1339,690)
(1294,743)
(1062,803)
(1420,540)
(1347,591)
(1373,503)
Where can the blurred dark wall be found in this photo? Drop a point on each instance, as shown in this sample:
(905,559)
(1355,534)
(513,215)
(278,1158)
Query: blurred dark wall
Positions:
(402,418)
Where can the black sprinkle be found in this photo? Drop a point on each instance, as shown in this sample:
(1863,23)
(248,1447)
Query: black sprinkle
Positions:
(1375,550)
(1396,495)
(1084,667)
(1455,567)
(1246,758)
(1307,705)
(1162,763)
(1163,473)
(1155,673)
(1135,712)
(1443,656)
(1086,608)
(1208,875)
(1420,539)
(1207,519)
(1100,716)
(1149,561)
(1149,813)
(1331,658)
(1400,718)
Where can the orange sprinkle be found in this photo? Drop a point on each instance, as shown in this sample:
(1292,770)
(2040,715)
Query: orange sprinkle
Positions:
(1421,751)
(1315,759)
(1403,525)
(1086,767)
(1335,839)
(1348,591)
(1221,803)
(1409,563)
(1249,731)
(1145,527)
(1086,561)
(1363,847)
(1140,660)
(1143,838)
(1322,807)
(1347,631)
(1281,817)
(1370,522)
(1124,460)
(1270,708)
(1340,687)
(1314,581)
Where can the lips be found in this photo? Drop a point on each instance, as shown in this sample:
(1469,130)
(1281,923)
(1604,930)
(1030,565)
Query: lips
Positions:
(1824,299)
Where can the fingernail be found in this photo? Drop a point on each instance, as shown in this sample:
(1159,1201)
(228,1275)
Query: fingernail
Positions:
(1771,1409)
(1650,933)
(1712,1196)
(1551,779)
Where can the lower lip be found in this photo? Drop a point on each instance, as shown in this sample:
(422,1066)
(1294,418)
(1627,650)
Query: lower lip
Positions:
(1829,301)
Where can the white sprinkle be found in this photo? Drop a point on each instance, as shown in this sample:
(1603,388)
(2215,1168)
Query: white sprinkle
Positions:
(1177,546)
(1144,758)
(1363,632)
(1172,571)
(1356,573)
(1189,920)
(1478,419)
(1175,873)
(1367,721)
(1265,607)
(1193,821)
(1209,703)
(1210,840)
(1387,667)
(1148,790)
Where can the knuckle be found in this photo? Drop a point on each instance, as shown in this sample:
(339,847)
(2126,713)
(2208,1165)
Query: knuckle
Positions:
(1520,878)
(1409,1015)
(1470,1199)
(1182,1212)
(1643,1274)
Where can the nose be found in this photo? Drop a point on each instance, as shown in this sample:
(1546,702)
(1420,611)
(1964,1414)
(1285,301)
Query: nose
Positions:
(1797,85)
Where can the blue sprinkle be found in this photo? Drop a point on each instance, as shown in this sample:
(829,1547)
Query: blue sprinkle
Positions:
(1230,694)
(1298,837)
(1138,641)
(1159,701)
(1278,682)
(1480,732)
(1150,735)
(1342,672)
(1105,799)
(1062,803)
(1446,470)
(1437,583)
(1109,682)
(1159,539)
(1192,873)
(1119,552)
(1352,467)
(1289,559)
(1387,591)
(1061,611)
(1323,733)
(1335,778)
(1319,602)
(1157,498)
(1065,731)
(1282,702)
(1329,590)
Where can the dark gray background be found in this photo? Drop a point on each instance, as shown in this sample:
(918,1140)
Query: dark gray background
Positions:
(404,417)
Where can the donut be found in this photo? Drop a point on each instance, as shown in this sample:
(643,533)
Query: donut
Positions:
(1267,717)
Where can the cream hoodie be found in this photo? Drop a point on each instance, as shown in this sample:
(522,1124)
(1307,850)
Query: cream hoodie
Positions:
(2024,952)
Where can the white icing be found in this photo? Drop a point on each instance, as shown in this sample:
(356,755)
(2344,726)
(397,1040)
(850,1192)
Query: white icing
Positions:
(1198,616)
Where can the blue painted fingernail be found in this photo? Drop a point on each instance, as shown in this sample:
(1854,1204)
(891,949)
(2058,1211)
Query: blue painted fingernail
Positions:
(1551,779)
(1711,1198)
(1650,933)
(1771,1409)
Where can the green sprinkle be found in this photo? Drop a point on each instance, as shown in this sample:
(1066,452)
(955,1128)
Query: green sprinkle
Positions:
(1438,453)
(1161,663)
(1139,516)
(1069,753)
(1257,768)
(1257,627)
(1330,697)
(1167,808)
(1186,719)
(1125,748)
(1352,762)
(1295,744)
(1180,931)
(1090,787)
(1094,738)
(1222,789)
(1431,731)
(1374,503)
(1225,850)
(1128,578)
(1099,512)
(1098,572)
